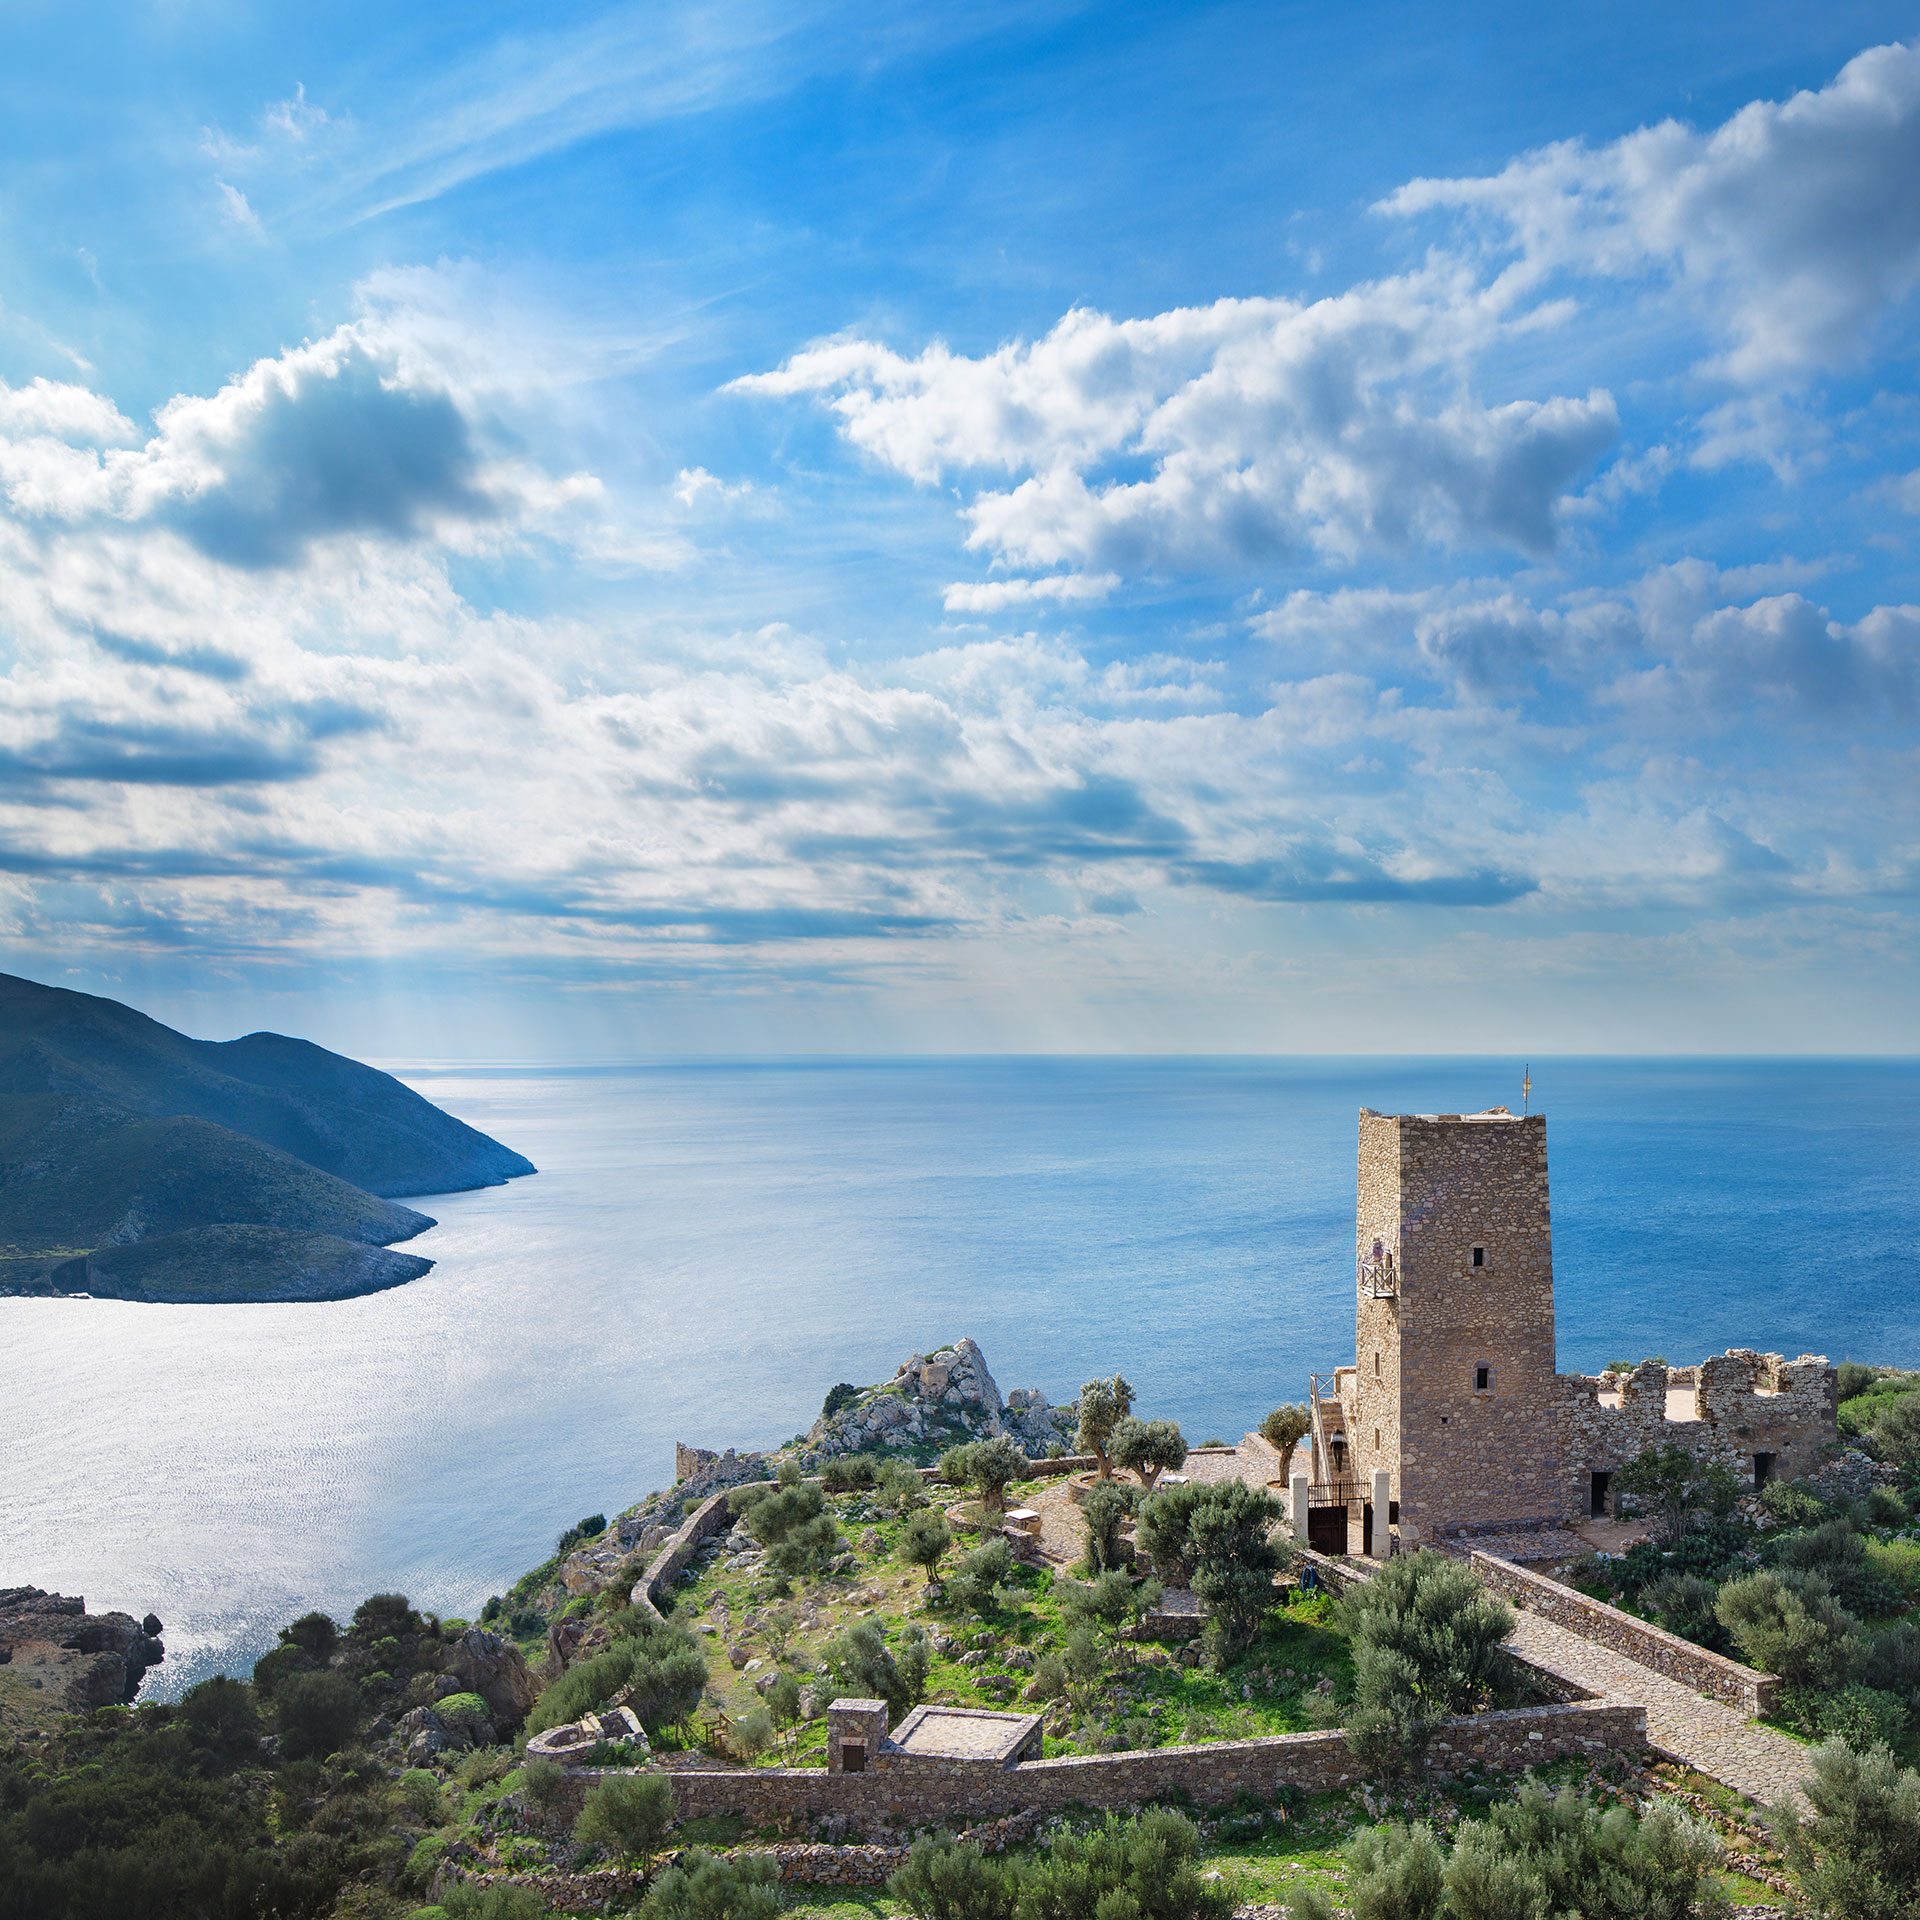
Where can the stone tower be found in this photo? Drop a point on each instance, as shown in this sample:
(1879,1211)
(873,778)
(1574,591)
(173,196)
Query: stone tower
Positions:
(1452,1392)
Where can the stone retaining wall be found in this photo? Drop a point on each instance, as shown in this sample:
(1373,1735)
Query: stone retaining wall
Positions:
(1706,1673)
(709,1517)
(919,1791)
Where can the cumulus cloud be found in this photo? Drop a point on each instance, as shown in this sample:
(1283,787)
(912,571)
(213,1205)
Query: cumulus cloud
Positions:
(1270,428)
(1793,227)
(320,441)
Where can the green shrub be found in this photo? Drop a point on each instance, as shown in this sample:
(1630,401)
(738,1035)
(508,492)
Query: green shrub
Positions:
(1856,1851)
(1885,1508)
(1677,1490)
(1793,1503)
(465,1709)
(313,1633)
(424,1862)
(1395,1873)
(543,1785)
(792,1522)
(946,1880)
(273,1670)
(1862,1716)
(383,1616)
(900,1487)
(316,1714)
(705,1887)
(1164,1532)
(1141,1869)
(1791,1625)
(847,1473)
(627,1814)
(862,1664)
(1539,1856)
(1851,1379)
(502,1900)
(221,1715)
(1683,1604)
(660,1662)
(973,1583)
(1896,1563)
(1103,1517)
(1222,1537)
(1837,1552)
(1892,1664)
(1896,1430)
(1426,1639)
(843,1395)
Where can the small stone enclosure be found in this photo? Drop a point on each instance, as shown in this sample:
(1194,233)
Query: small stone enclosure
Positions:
(1453,1410)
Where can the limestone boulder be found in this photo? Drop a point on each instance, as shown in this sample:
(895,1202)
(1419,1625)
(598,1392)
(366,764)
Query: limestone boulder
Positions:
(495,1669)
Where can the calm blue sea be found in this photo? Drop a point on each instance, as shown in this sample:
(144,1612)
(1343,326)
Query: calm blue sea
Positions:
(709,1247)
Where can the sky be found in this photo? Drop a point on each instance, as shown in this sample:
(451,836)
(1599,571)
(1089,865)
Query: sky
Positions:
(839,528)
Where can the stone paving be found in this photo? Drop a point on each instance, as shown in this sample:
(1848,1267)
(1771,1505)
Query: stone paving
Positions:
(1681,1725)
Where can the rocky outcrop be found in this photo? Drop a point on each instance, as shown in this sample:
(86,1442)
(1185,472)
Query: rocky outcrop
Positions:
(495,1669)
(935,1400)
(53,1644)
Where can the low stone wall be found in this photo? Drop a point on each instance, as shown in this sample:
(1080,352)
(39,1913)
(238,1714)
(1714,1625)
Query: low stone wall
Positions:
(918,1791)
(709,1517)
(1706,1673)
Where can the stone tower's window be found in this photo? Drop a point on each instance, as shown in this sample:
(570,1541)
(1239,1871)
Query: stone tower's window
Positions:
(1479,1256)
(1376,1366)
(1482,1379)
(1376,1439)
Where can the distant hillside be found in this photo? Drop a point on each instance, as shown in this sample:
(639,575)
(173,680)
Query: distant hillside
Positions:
(137,1162)
(335,1114)
(227,1264)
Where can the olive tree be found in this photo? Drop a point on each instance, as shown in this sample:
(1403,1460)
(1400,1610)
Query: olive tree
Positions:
(1284,1428)
(1103,1405)
(1148,1448)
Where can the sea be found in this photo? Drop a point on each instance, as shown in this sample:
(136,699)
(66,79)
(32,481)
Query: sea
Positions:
(710,1245)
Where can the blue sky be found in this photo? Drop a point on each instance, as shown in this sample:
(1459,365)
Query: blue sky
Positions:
(758,527)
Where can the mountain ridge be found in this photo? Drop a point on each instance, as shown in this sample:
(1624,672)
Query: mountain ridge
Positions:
(260,1168)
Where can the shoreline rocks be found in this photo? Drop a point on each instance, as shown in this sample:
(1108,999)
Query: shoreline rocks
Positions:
(82,1660)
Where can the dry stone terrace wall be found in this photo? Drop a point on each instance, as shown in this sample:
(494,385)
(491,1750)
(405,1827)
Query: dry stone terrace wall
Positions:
(1706,1673)
(919,1791)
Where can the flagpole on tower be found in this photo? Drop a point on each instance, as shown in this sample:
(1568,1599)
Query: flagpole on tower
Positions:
(1526,1086)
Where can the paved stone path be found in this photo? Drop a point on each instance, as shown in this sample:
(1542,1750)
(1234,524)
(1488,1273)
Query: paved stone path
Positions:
(1681,1724)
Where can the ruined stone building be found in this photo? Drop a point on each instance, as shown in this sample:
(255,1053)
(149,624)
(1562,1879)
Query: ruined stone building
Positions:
(1452,1414)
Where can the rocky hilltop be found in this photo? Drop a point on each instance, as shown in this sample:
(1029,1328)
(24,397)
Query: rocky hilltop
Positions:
(55,1656)
(255,1169)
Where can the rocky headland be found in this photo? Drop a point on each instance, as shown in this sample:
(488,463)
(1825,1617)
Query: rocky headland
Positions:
(140,1164)
(56,1657)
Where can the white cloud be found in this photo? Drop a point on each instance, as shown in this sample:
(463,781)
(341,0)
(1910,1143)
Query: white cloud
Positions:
(60,411)
(1270,428)
(993,596)
(236,211)
(1793,227)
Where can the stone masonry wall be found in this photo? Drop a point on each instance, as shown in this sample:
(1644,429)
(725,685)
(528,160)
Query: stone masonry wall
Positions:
(1434,1187)
(1707,1673)
(919,1791)
(1737,1405)
(676,1556)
